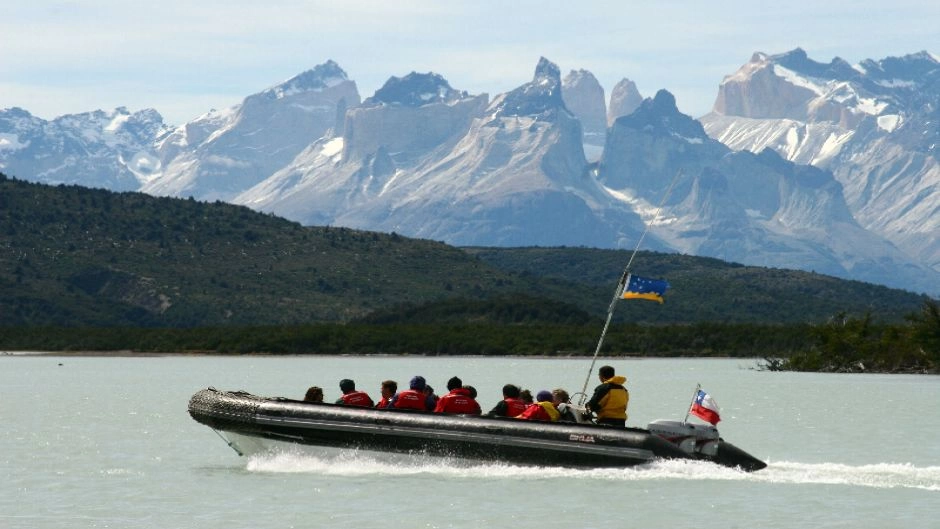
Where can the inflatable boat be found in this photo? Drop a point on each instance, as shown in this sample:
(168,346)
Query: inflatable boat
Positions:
(251,424)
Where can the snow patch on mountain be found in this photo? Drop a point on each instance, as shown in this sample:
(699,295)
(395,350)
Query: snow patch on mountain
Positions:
(872,124)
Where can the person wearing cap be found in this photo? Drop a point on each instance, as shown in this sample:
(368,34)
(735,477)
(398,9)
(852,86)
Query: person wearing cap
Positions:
(387,390)
(351,397)
(412,398)
(542,409)
(610,398)
(511,405)
(458,400)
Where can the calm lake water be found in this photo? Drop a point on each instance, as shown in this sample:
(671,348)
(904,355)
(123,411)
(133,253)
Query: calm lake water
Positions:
(108,442)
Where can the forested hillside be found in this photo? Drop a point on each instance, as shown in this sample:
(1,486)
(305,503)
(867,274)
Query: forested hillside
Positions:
(73,256)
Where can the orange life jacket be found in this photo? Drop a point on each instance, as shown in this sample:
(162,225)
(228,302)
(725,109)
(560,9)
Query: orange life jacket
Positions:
(357,398)
(411,399)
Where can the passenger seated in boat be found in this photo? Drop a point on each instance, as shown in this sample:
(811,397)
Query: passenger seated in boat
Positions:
(511,405)
(458,400)
(429,391)
(526,397)
(351,397)
(387,390)
(412,398)
(562,402)
(314,394)
(610,398)
(542,409)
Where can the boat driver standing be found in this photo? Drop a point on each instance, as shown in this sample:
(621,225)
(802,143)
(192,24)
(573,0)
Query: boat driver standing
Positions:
(610,398)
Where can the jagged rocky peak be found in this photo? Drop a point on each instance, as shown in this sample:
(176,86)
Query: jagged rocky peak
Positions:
(660,115)
(322,76)
(624,99)
(415,90)
(758,90)
(540,97)
(798,61)
(408,117)
(920,68)
(584,97)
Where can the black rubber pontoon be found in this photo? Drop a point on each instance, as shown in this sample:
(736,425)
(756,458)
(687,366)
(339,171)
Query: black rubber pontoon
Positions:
(465,436)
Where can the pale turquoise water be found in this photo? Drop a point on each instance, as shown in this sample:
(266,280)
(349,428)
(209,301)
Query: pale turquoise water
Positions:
(107,442)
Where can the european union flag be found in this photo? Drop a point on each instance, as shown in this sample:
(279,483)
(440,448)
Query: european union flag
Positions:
(642,288)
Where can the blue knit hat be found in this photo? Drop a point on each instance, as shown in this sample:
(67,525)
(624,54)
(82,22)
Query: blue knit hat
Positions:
(417,383)
(543,396)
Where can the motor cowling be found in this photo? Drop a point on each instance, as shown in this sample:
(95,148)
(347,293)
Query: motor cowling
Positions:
(690,438)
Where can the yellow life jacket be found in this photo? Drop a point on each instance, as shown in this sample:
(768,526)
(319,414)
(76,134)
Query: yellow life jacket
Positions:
(614,403)
(551,410)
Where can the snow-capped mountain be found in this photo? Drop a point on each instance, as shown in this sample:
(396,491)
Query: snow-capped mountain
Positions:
(220,154)
(510,173)
(875,125)
(111,150)
(756,209)
(423,159)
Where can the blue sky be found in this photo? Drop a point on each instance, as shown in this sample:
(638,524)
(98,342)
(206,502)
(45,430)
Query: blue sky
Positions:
(186,57)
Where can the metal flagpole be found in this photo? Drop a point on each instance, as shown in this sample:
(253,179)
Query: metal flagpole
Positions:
(624,280)
(689,409)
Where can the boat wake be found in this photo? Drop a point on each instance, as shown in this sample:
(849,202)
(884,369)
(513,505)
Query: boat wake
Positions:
(356,463)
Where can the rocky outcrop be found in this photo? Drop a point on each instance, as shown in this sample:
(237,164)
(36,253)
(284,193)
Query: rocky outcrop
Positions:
(409,117)
(624,99)
(584,97)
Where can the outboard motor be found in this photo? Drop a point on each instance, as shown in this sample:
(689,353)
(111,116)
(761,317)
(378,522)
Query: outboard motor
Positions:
(690,438)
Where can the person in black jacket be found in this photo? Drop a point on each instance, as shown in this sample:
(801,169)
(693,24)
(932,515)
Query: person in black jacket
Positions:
(610,398)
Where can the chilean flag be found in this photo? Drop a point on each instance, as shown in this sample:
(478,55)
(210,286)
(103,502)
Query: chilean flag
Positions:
(704,407)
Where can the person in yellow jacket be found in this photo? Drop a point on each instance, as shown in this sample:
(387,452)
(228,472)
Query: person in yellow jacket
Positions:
(610,398)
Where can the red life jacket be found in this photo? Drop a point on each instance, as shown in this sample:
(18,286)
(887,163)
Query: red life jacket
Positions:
(457,401)
(383,403)
(514,406)
(540,411)
(411,399)
(357,398)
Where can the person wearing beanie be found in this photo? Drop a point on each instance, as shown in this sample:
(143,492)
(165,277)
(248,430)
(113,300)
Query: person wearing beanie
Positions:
(511,405)
(412,398)
(542,409)
(610,398)
(459,400)
(351,397)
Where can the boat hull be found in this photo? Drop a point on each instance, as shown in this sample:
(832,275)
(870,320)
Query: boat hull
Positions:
(461,436)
